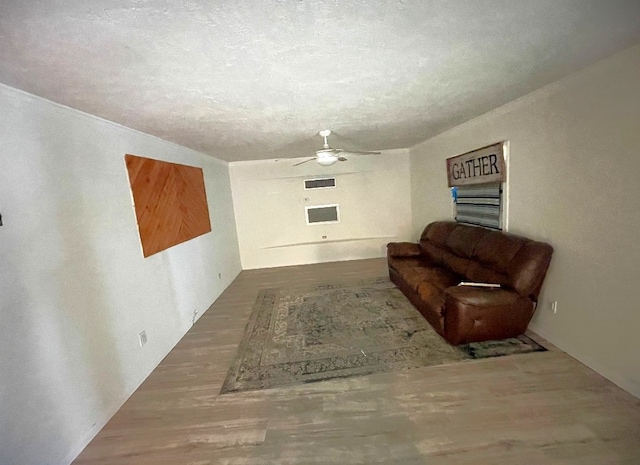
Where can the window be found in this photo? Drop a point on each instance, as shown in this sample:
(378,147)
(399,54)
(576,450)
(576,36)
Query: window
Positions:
(323,183)
(480,205)
(322,214)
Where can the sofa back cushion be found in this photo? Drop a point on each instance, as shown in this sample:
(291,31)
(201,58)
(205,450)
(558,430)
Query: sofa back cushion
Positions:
(497,249)
(479,273)
(455,263)
(463,240)
(481,255)
(432,251)
(438,231)
(433,241)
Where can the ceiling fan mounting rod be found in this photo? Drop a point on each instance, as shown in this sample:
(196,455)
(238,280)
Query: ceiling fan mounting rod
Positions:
(324,134)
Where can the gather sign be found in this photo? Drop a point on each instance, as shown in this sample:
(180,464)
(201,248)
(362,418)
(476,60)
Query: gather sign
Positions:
(477,167)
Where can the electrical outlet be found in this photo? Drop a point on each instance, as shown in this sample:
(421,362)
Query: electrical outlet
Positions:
(554,306)
(142,338)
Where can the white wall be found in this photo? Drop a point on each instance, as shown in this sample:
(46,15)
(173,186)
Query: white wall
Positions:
(75,290)
(373,192)
(574,182)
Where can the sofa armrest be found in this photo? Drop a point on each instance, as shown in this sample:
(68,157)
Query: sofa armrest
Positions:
(403,249)
(478,314)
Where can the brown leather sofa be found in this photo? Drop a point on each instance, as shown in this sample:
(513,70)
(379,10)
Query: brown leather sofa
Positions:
(429,272)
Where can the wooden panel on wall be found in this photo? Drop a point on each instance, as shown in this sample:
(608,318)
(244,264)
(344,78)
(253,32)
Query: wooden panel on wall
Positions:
(480,166)
(170,202)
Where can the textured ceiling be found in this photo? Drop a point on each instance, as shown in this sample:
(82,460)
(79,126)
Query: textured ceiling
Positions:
(252,79)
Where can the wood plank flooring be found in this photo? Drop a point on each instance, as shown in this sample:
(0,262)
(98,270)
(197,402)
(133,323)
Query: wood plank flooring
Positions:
(538,409)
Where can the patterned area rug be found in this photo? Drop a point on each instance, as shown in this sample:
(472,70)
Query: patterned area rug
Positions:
(341,330)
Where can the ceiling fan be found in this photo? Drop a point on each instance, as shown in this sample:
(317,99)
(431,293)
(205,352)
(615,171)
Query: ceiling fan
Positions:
(327,156)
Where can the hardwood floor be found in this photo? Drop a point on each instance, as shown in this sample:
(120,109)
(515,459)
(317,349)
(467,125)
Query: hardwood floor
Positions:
(538,409)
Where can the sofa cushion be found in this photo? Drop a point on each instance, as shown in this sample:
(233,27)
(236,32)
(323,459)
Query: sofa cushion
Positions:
(432,251)
(432,305)
(412,277)
(455,263)
(437,276)
(481,274)
(438,232)
(496,250)
(463,239)
(414,273)
(431,295)
(482,297)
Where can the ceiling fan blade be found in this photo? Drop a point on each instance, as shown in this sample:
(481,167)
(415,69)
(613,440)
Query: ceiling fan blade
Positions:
(342,159)
(353,152)
(305,161)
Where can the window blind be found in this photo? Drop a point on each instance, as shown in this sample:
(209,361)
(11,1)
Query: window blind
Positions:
(480,205)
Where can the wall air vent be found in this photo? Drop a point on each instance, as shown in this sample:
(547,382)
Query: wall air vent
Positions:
(322,214)
(322,183)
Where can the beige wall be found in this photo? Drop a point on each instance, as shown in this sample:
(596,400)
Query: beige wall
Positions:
(269,198)
(574,181)
(75,290)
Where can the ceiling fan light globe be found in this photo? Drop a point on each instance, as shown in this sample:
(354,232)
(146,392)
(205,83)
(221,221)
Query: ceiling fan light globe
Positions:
(327,160)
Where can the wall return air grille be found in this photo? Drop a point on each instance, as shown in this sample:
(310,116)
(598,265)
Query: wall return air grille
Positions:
(322,183)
